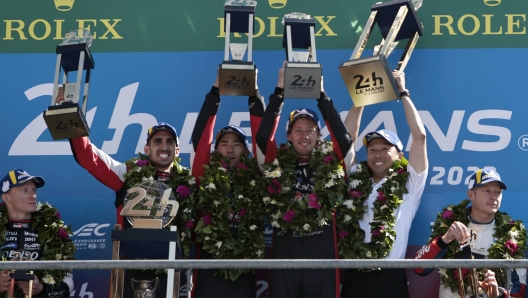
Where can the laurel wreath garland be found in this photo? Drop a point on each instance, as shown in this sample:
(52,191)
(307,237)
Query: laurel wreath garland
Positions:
(54,237)
(510,241)
(302,213)
(223,192)
(184,188)
(351,243)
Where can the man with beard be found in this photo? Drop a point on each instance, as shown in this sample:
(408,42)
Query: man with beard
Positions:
(303,132)
(231,148)
(24,235)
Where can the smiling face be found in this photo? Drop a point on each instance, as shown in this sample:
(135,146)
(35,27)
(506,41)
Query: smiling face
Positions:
(231,146)
(162,150)
(485,201)
(303,136)
(21,201)
(380,155)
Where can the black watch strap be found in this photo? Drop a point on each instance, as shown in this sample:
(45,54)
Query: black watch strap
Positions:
(405,93)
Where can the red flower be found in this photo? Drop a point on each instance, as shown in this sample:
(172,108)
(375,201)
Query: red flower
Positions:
(342,234)
(288,216)
(207,219)
(183,191)
(464,273)
(62,234)
(141,162)
(314,201)
(283,147)
(328,159)
(241,165)
(242,212)
(381,196)
(375,233)
(58,215)
(448,214)
(355,193)
(511,247)
(224,164)
(271,189)
(400,170)
(189,224)
(511,222)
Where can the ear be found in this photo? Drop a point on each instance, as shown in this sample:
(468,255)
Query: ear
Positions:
(146,149)
(177,151)
(400,154)
(5,198)
(288,136)
(470,194)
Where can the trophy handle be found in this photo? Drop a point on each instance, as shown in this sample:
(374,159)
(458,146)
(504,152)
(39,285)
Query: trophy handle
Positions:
(11,293)
(132,281)
(157,282)
(30,290)
(461,290)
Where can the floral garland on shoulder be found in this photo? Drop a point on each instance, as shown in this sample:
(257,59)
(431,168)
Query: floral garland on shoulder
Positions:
(54,237)
(223,193)
(351,242)
(184,188)
(302,213)
(510,241)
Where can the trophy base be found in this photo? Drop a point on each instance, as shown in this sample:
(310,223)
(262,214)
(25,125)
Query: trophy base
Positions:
(237,78)
(147,223)
(66,121)
(302,80)
(369,80)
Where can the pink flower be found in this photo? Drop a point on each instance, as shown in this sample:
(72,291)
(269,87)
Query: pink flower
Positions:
(355,193)
(271,189)
(283,147)
(224,164)
(314,201)
(377,232)
(400,170)
(62,234)
(242,212)
(342,234)
(381,196)
(207,219)
(141,162)
(464,273)
(448,214)
(183,191)
(241,165)
(277,184)
(189,224)
(58,215)
(288,216)
(328,159)
(511,222)
(511,247)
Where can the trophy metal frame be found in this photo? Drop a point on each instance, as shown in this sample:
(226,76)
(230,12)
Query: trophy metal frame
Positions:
(302,79)
(369,80)
(68,119)
(236,76)
(23,276)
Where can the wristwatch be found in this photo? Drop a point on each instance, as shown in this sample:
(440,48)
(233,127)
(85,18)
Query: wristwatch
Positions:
(405,93)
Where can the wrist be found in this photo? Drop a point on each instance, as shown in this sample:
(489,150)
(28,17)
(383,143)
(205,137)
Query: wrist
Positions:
(405,92)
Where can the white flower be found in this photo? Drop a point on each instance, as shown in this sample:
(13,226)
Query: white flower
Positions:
(275,174)
(340,172)
(39,206)
(258,253)
(322,222)
(384,207)
(266,200)
(442,272)
(514,234)
(206,238)
(275,224)
(349,204)
(513,240)
(273,202)
(285,189)
(359,167)
(393,189)
(449,208)
(522,227)
(211,186)
(54,225)
(48,205)
(252,183)
(218,244)
(253,227)
(306,227)
(5,186)
(58,256)
(216,202)
(191,181)
(275,162)
(240,196)
(394,174)
(347,218)
(333,176)
(222,169)
(329,183)
(507,256)
(48,279)
(368,254)
(187,210)
(354,183)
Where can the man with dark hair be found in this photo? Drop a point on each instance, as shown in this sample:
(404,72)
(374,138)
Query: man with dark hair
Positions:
(32,230)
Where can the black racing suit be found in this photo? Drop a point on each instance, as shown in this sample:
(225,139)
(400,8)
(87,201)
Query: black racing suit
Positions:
(22,240)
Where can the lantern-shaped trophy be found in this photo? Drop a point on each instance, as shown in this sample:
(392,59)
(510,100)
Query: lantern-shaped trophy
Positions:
(369,80)
(236,76)
(67,119)
(302,74)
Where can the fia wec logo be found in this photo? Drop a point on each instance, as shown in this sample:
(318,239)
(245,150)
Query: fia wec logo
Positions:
(91,228)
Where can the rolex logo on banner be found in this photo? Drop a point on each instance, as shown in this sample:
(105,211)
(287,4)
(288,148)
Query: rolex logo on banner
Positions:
(64,5)
(277,3)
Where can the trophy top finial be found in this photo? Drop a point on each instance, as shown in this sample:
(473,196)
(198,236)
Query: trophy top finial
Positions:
(241,2)
(417,4)
(296,15)
(77,36)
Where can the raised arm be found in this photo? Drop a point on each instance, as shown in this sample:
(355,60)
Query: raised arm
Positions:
(256,113)
(418,153)
(352,121)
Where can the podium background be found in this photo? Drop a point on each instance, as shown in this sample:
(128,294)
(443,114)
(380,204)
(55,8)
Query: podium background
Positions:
(468,80)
